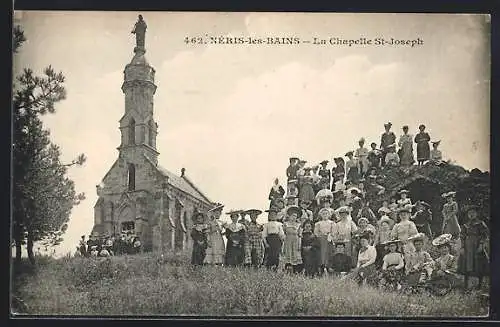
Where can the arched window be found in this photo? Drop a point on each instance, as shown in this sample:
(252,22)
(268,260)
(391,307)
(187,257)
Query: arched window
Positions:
(131,177)
(151,132)
(131,132)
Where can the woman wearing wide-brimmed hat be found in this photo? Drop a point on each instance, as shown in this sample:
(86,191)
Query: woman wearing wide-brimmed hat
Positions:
(216,248)
(392,264)
(235,234)
(450,220)
(475,238)
(445,266)
(405,229)
(404,200)
(422,139)
(387,138)
(322,230)
(418,263)
(325,175)
(344,229)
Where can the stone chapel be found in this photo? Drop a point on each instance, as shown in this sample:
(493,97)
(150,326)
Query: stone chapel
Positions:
(137,194)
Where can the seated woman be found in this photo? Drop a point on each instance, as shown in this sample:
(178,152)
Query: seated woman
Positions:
(339,263)
(418,263)
(365,269)
(392,266)
(445,266)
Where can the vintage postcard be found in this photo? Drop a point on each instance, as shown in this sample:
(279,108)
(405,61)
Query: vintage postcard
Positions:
(251,164)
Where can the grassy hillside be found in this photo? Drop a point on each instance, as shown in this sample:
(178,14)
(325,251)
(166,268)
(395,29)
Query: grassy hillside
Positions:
(140,285)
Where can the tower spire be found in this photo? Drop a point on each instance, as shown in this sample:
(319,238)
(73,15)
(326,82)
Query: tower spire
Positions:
(140,35)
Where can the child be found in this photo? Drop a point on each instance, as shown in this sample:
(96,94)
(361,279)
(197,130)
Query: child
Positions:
(291,248)
(352,168)
(374,156)
(340,263)
(273,236)
(322,230)
(391,158)
(436,156)
(404,200)
(199,234)
(254,246)
(419,263)
(235,234)
(362,156)
(310,248)
(392,265)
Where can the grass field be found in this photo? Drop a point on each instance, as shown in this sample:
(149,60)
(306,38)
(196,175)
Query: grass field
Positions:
(140,285)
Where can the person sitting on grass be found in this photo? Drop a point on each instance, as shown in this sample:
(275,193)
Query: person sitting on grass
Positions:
(340,263)
(392,266)
(365,270)
(445,266)
(418,263)
(309,249)
(199,234)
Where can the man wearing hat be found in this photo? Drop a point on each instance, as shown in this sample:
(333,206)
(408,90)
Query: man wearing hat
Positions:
(254,245)
(235,235)
(273,236)
(419,263)
(291,171)
(216,248)
(423,218)
(405,229)
(325,174)
(387,138)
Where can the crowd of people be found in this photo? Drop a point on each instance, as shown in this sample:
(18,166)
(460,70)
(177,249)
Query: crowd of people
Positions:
(106,245)
(323,223)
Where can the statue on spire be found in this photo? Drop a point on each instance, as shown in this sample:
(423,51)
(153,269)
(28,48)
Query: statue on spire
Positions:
(140,32)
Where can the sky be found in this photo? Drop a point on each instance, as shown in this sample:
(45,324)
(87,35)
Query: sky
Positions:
(232,115)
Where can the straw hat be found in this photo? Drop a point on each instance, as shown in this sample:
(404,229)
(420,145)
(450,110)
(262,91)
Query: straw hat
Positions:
(324,162)
(442,240)
(417,237)
(343,209)
(391,242)
(253,212)
(386,219)
(363,219)
(403,191)
(384,210)
(294,209)
(322,210)
(448,194)
(234,212)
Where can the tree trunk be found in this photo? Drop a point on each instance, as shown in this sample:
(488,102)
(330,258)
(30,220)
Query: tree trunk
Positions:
(29,246)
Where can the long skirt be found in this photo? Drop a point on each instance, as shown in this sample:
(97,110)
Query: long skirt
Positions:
(353,175)
(381,252)
(215,252)
(273,251)
(254,253)
(306,193)
(324,250)
(310,260)
(423,151)
(198,254)
(235,255)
